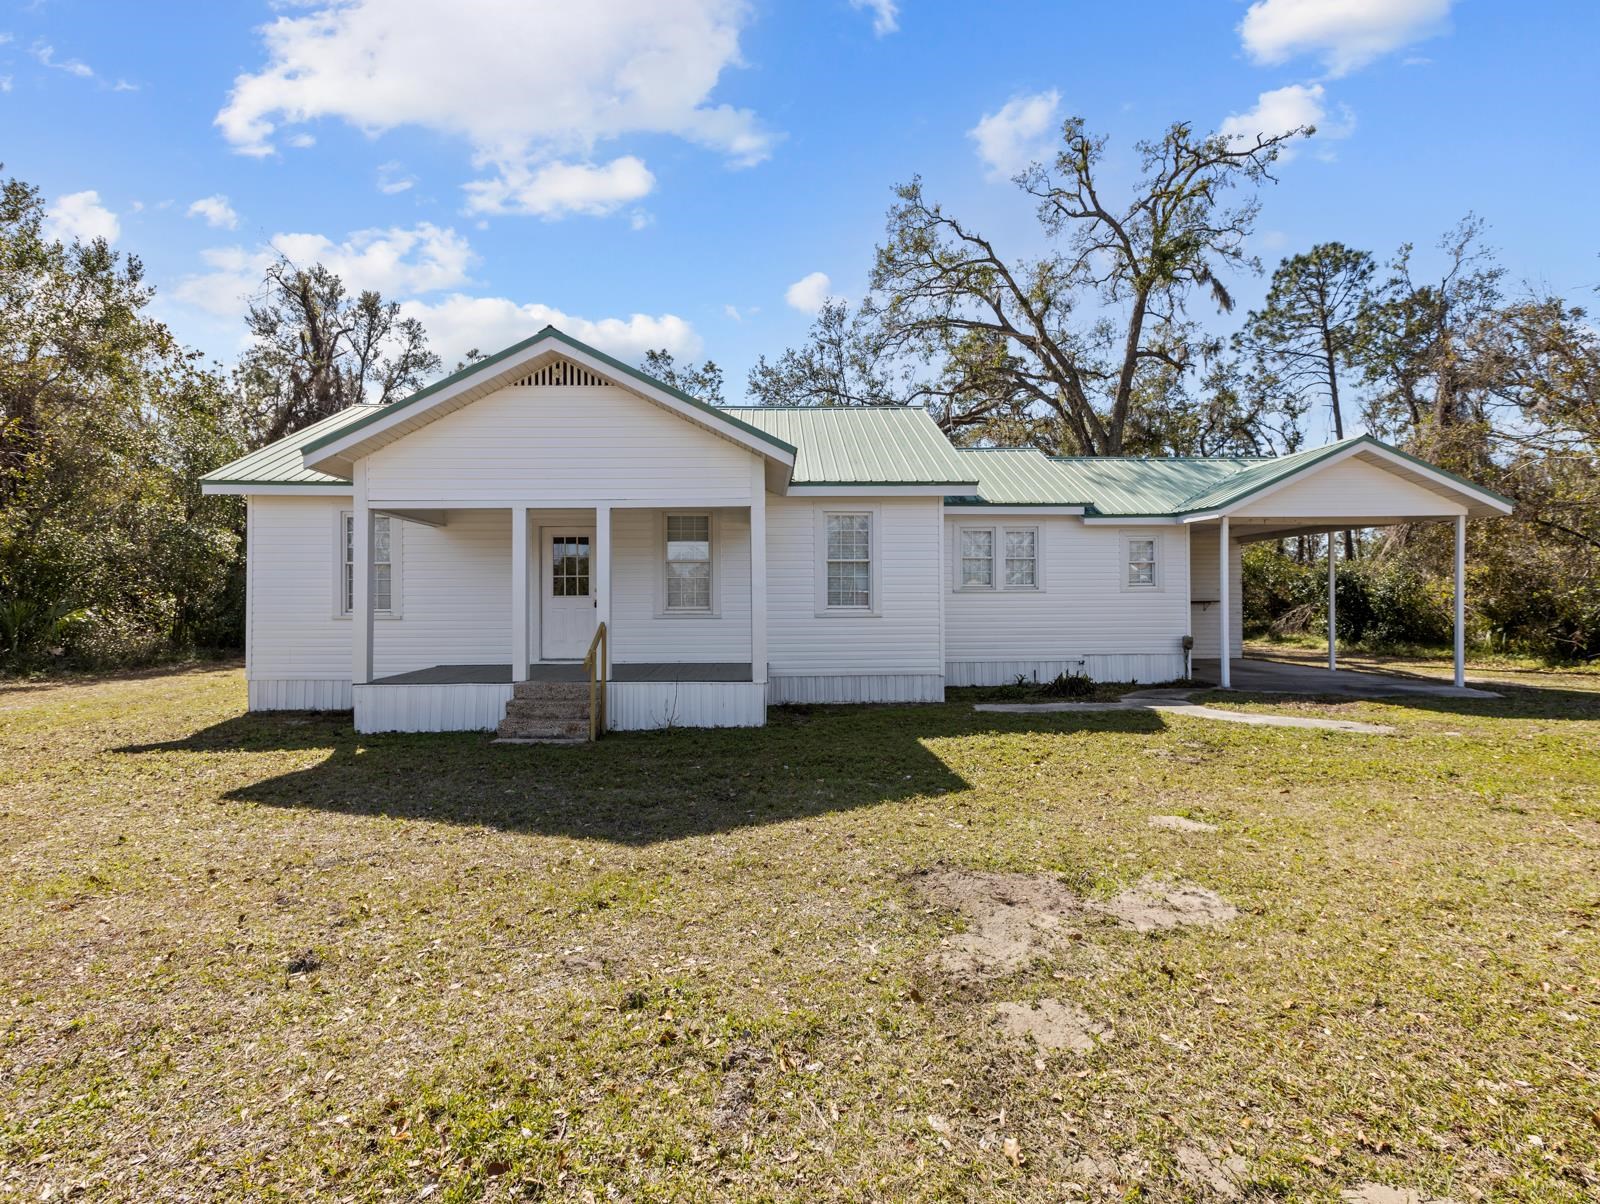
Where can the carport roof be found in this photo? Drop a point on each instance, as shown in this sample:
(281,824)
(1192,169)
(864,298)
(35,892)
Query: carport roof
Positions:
(1149,487)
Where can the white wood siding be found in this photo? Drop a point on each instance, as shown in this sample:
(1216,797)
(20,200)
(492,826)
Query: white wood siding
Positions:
(293,597)
(1206,587)
(901,638)
(1352,488)
(641,634)
(455,592)
(1081,618)
(556,446)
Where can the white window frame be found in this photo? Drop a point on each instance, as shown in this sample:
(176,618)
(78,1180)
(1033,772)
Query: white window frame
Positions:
(874,608)
(997,559)
(1125,561)
(396,596)
(714,529)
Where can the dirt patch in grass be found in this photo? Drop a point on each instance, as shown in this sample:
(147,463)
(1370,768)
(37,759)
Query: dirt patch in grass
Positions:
(1217,1176)
(1379,1193)
(1177,823)
(1152,905)
(1016,918)
(1052,1024)
(1012,919)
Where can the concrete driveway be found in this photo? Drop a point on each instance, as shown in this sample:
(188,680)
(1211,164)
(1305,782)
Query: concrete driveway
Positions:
(1281,677)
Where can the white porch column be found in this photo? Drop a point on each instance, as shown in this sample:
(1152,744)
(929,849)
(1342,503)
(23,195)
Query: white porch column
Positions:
(758,571)
(361,578)
(600,572)
(1461,599)
(1226,620)
(1333,606)
(519,594)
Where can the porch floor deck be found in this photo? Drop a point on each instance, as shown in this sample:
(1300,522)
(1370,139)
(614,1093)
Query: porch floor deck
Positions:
(498,675)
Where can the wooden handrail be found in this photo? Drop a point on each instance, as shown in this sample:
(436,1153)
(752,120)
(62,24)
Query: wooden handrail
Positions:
(595,667)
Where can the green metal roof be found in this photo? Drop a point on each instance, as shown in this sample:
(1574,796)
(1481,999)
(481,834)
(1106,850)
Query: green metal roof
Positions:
(1017,476)
(874,445)
(1106,485)
(280,463)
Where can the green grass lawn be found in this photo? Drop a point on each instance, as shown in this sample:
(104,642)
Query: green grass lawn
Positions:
(264,958)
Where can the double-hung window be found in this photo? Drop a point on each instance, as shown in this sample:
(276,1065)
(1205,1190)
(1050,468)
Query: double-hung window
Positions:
(382,564)
(849,561)
(977,557)
(688,562)
(1143,569)
(997,558)
(1022,557)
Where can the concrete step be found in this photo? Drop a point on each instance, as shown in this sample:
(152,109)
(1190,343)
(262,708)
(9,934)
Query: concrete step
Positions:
(571,691)
(534,729)
(537,709)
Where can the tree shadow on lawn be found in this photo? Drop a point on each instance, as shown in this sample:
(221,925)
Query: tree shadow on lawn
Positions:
(632,788)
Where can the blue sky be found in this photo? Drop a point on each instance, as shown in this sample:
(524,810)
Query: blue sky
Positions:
(647,174)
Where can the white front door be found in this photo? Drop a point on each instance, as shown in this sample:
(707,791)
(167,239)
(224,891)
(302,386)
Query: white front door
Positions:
(566,609)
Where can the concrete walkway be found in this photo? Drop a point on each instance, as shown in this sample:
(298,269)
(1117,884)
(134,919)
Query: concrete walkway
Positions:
(1176,702)
(1281,677)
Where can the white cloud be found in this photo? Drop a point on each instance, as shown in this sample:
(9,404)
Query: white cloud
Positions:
(392,178)
(302,140)
(809,293)
(1019,134)
(529,87)
(398,262)
(80,215)
(558,189)
(885,14)
(5,83)
(458,323)
(1284,109)
(46,54)
(1345,34)
(217,212)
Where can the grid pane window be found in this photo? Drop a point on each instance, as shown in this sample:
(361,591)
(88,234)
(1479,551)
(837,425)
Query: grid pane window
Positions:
(977,559)
(1141,562)
(688,562)
(569,566)
(1022,558)
(850,560)
(382,564)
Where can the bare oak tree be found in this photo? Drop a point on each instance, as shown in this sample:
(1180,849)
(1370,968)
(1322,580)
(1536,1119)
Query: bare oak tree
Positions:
(1068,344)
(317,350)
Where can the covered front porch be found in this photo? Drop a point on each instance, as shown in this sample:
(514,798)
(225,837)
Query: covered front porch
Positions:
(566,671)
(463,602)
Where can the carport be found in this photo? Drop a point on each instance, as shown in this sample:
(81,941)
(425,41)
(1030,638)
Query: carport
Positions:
(1351,485)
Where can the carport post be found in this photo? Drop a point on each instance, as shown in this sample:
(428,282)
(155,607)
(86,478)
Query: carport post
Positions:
(1225,620)
(1461,599)
(1333,659)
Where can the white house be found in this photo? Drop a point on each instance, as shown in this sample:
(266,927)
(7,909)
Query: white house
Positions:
(427,562)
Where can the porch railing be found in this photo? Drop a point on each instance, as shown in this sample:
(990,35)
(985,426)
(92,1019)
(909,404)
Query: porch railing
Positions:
(594,665)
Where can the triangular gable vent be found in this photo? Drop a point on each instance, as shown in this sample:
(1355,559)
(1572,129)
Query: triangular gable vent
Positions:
(560,373)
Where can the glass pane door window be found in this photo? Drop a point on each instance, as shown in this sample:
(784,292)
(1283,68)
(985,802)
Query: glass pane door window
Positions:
(569,566)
